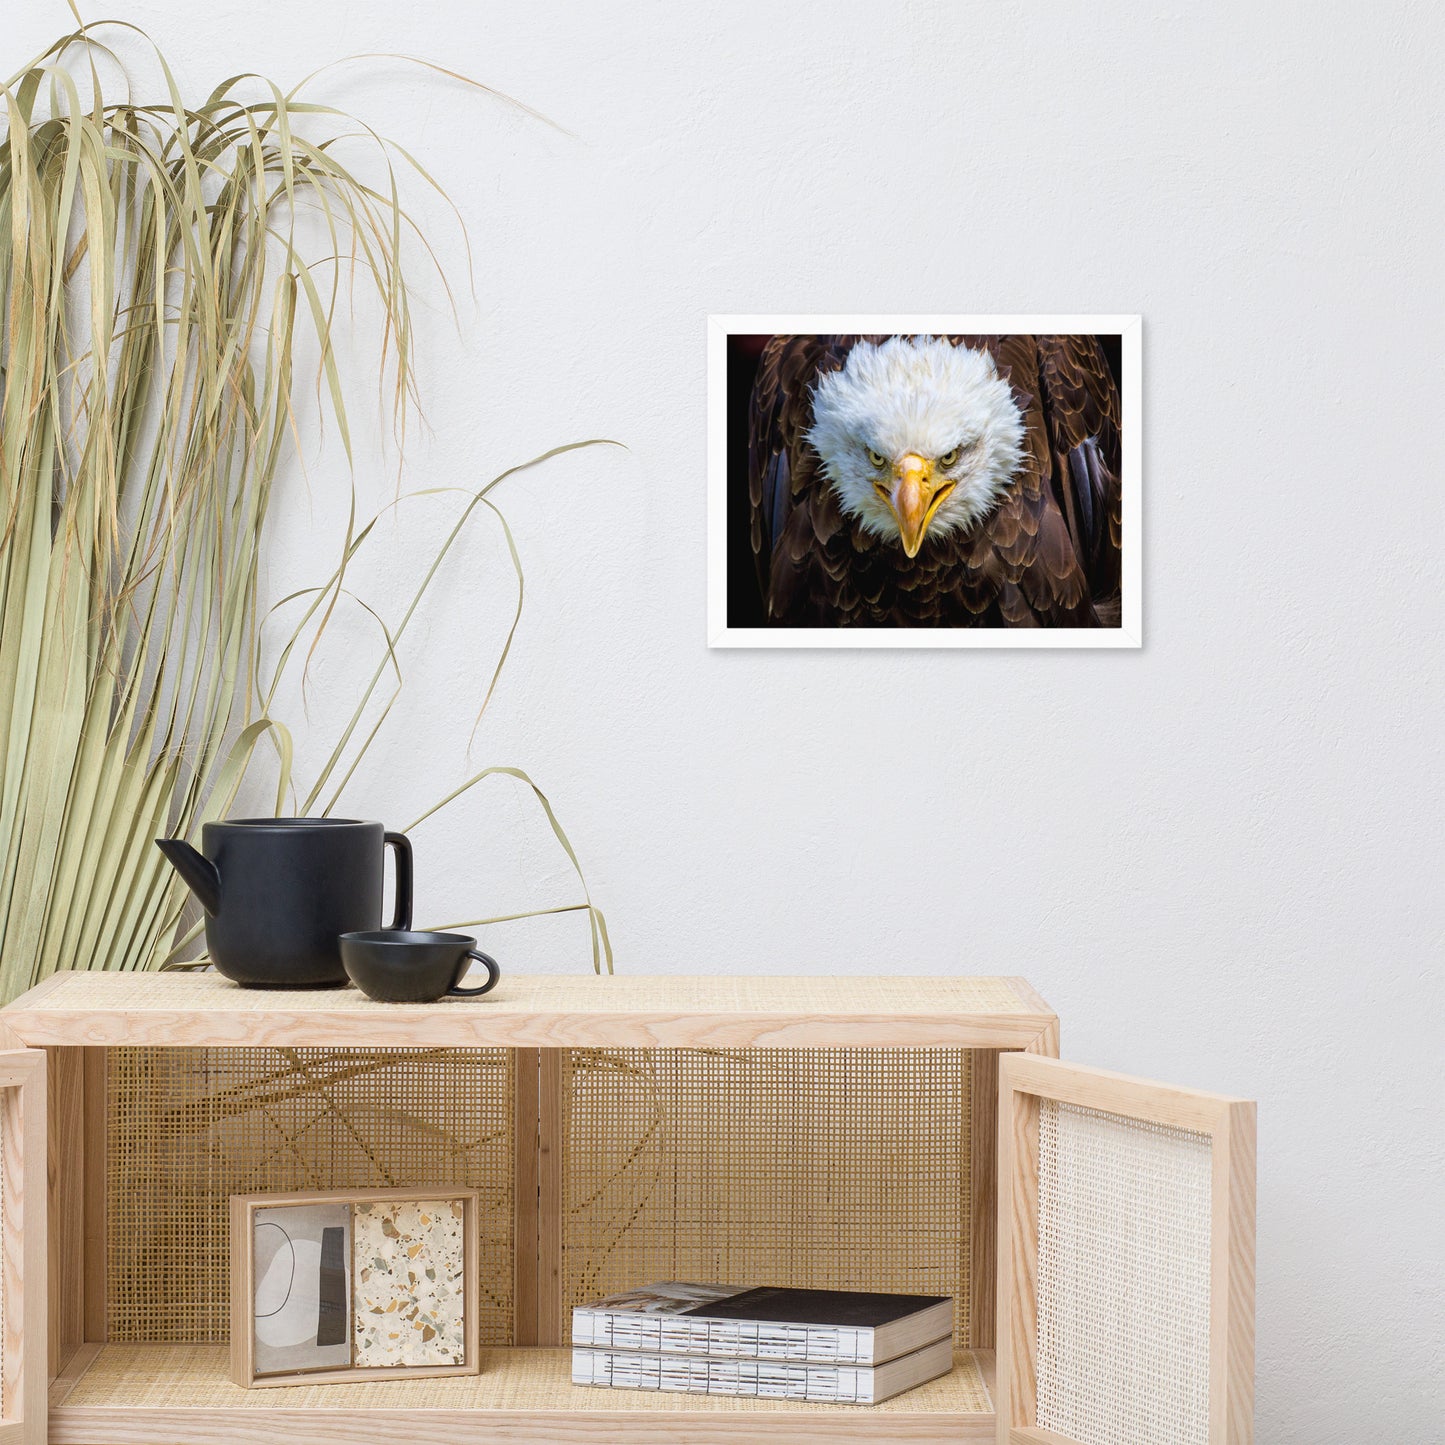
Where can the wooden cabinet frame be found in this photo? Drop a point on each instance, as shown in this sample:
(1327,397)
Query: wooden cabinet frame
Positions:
(77,1018)
(24,1257)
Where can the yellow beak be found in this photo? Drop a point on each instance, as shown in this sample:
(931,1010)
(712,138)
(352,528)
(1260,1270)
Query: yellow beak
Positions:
(912,493)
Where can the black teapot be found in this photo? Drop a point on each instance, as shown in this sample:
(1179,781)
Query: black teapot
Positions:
(278,892)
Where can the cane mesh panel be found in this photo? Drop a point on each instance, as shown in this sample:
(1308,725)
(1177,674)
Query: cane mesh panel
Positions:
(1123,1279)
(187,1128)
(822,1168)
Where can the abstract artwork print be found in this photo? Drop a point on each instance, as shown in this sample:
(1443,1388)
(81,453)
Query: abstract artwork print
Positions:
(410,1297)
(302,1297)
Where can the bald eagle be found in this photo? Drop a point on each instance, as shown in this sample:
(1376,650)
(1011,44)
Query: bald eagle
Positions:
(936,481)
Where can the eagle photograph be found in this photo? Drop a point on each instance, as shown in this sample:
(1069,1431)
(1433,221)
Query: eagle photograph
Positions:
(925,486)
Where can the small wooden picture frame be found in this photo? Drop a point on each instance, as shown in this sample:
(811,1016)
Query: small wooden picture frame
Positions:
(364,1284)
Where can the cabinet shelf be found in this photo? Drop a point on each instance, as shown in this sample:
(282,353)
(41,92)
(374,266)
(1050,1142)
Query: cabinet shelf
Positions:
(538,1012)
(181,1395)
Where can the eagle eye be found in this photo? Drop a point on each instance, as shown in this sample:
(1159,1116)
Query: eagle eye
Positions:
(877,458)
(949,457)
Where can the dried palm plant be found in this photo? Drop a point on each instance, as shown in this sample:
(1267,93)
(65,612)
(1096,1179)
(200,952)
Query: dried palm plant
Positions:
(156,292)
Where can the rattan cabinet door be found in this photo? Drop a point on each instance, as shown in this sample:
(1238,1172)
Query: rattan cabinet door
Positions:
(23,1260)
(1126,1260)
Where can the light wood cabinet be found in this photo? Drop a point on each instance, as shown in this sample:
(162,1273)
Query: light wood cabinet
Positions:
(833,1131)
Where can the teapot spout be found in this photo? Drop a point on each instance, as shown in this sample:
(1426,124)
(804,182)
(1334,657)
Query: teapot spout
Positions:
(199,873)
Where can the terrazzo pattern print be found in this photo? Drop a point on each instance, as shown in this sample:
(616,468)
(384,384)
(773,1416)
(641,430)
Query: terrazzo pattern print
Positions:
(409,1289)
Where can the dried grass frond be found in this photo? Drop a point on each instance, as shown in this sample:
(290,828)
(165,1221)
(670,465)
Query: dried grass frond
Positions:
(155,294)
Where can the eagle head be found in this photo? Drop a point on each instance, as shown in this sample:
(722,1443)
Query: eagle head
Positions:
(918,437)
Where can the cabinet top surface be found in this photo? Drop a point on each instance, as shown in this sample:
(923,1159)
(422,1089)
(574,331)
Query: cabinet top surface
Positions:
(537,1011)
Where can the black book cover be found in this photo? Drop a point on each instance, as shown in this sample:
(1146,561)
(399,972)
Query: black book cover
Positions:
(817,1307)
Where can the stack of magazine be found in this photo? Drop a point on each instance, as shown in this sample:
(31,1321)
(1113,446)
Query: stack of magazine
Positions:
(832,1346)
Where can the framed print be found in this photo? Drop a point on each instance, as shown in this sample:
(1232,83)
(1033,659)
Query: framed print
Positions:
(924,481)
(350,1286)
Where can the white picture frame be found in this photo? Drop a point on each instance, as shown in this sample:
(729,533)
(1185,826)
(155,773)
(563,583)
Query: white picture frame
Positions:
(1129,634)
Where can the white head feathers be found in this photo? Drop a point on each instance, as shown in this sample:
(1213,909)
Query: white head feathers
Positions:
(925,396)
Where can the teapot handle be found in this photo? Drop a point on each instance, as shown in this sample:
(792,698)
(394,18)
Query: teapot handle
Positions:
(402,844)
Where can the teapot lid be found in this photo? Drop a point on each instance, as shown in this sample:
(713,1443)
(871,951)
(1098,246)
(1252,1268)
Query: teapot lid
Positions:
(289,823)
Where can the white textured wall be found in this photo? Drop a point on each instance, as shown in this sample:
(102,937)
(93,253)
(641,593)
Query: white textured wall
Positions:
(1219,857)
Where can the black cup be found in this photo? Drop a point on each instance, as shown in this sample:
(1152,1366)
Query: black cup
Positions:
(393,965)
